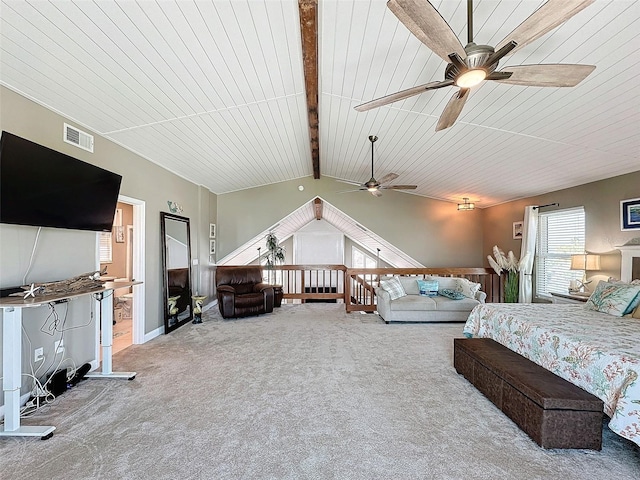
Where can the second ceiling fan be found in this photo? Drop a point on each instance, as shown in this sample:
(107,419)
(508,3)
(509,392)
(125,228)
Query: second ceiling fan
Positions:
(374,186)
(471,65)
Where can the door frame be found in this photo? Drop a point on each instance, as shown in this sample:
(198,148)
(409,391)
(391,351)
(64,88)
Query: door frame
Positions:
(139,296)
(138,266)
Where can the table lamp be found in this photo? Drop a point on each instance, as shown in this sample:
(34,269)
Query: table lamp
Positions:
(584,262)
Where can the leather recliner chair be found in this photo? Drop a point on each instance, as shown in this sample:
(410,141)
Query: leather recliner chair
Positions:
(241,292)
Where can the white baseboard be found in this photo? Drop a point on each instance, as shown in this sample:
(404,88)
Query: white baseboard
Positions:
(210,305)
(153,334)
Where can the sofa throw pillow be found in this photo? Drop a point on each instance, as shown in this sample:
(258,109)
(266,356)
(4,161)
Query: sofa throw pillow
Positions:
(612,298)
(394,287)
(428,288)
(468,288)
(450,293)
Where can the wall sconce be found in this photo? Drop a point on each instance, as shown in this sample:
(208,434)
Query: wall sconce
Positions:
(466,205)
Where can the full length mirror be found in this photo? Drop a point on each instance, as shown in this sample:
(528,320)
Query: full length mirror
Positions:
(176,264)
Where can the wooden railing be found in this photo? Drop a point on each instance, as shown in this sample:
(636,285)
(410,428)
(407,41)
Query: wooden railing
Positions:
(356,286)
(309,282)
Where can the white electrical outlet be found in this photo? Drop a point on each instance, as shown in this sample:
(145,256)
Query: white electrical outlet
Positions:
(38,354)
(58,346)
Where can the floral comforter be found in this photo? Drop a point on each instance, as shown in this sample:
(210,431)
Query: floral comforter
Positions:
(599,353)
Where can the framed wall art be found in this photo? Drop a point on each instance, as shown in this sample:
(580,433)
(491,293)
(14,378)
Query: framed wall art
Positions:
(212,230)
(517,230)
(212,247)
(630,214)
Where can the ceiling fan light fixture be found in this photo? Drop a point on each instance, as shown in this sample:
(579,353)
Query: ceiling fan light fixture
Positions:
(471,78)
(466,205)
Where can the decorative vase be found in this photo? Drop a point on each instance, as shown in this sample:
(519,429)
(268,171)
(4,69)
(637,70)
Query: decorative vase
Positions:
(198,300)
(511,286)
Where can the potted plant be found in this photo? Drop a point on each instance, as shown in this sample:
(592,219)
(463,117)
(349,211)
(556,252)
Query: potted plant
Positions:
(509,266)
(274,255)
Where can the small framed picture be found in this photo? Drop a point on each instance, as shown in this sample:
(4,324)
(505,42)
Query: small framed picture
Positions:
(517,230)
(119,233)
(212,247)
(212,230)
(630,214)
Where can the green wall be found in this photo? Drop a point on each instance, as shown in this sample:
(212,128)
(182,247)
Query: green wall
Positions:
(65,253)
(433,232)
(601,202)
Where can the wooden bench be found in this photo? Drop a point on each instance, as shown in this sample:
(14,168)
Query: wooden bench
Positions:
(552,411)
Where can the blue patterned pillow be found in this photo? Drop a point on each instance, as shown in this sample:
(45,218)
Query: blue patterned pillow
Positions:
(394,287)
(452,294)
(612,298)
(428,288)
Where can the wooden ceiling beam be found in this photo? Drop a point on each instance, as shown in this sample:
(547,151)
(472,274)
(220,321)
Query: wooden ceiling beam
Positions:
(317,208)
(309,33)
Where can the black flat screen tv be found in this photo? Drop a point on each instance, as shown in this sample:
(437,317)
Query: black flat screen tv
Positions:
(45,188)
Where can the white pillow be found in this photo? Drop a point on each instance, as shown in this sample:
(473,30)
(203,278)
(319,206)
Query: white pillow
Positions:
(394,287)
(467,287)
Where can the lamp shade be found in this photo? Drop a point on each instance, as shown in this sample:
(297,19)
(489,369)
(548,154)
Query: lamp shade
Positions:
(585,261)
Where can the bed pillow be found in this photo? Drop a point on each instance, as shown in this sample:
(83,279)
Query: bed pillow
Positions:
(428,288)
(452,294)
(394,287)
(612,298)
(636,313)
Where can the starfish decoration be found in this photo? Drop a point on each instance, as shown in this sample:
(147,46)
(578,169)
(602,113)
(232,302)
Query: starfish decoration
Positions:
(32,291)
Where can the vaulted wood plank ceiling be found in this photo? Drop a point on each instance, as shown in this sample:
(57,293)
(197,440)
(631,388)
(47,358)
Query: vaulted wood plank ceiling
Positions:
(215,92)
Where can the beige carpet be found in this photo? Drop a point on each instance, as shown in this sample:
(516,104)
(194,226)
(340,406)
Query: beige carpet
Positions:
(306,393)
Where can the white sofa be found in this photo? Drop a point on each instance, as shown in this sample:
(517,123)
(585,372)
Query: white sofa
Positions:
(414,307)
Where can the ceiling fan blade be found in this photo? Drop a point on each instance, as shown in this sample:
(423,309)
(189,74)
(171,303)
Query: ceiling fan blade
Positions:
(376,193)
(409,92)
(349,191)
(358,184)
(453,109)
(388,177)
(543,20)
(426,23)
(547,75)
(400,187)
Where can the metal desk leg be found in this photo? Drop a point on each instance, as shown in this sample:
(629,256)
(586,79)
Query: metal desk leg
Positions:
(104,305)
(12,378)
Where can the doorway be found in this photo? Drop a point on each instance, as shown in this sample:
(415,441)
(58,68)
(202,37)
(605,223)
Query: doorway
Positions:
(127,264)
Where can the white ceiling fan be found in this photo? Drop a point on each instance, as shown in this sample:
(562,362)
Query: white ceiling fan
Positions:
(374,186)
(471,65)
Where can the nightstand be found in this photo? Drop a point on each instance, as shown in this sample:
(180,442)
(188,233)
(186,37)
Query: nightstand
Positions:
(569,297)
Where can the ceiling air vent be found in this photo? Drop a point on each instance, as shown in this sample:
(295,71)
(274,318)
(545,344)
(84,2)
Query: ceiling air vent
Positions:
(78,138)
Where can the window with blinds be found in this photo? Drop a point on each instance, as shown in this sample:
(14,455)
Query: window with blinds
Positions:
(104,247)
(560,234)
(360,259)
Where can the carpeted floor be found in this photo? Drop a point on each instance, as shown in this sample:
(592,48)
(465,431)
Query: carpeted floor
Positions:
(308,392)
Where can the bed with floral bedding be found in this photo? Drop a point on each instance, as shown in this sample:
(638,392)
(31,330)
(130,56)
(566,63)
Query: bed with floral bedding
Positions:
(599,352)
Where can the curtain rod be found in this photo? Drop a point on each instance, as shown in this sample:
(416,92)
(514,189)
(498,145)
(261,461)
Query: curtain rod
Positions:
(547,205)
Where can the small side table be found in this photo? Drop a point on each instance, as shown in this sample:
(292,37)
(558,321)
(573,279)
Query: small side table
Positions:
(569,297)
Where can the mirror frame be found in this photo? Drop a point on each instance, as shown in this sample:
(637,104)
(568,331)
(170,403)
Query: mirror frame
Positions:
(165,272)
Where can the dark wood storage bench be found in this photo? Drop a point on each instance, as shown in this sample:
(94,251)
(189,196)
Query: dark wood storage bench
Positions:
(552,411)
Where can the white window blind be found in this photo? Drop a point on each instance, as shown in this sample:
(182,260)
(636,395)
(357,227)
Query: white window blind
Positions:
(105,247)
(560,234)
